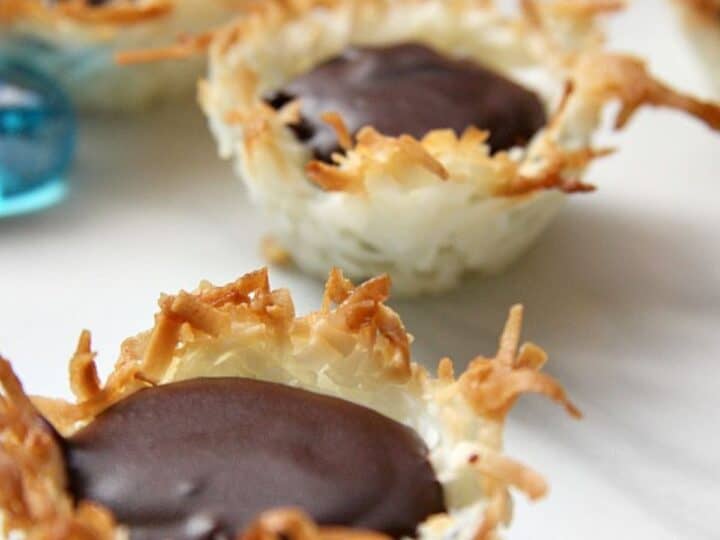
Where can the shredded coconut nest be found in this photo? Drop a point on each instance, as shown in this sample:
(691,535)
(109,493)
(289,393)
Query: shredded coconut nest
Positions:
(76,43)
(354,348)
(701,21)
(425,211)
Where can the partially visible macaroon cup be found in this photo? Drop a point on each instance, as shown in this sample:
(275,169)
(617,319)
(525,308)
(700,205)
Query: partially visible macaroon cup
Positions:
(393,168)
(235,416)
(76,42)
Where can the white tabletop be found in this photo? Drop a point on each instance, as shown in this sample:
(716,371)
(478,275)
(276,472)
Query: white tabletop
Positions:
(623,291)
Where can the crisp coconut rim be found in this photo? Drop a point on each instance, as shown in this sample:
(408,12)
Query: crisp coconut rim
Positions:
(354,347)
(79,13)
(360,211)
(118,24)
(306,32)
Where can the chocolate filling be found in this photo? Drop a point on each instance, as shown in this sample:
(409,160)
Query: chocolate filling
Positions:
(200,459)
(410,89)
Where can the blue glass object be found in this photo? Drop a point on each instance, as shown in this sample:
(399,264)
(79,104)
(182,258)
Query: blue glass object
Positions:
(37,139)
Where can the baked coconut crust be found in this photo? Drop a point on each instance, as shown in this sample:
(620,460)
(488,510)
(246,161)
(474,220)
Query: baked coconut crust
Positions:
(75,42)
(423,210)
(354,347)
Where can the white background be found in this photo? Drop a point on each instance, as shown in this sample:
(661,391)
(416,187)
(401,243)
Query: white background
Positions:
(623,291)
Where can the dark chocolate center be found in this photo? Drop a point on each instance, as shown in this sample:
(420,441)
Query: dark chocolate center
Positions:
(410,89)
(200,459)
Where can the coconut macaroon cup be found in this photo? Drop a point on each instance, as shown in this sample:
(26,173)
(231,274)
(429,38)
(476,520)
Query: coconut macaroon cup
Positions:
(232,406)
(76,41)
(701,21)
(409,189)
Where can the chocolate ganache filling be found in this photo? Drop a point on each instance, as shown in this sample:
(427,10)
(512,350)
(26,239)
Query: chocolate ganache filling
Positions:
(200,459)
(409,89)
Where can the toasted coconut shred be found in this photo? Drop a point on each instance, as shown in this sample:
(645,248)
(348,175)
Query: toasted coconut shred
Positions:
(354,348)
(701,22)
(76,43)
(424,211)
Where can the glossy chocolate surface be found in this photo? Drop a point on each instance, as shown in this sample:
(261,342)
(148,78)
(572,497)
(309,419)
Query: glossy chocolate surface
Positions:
(410,89)
(201,458)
